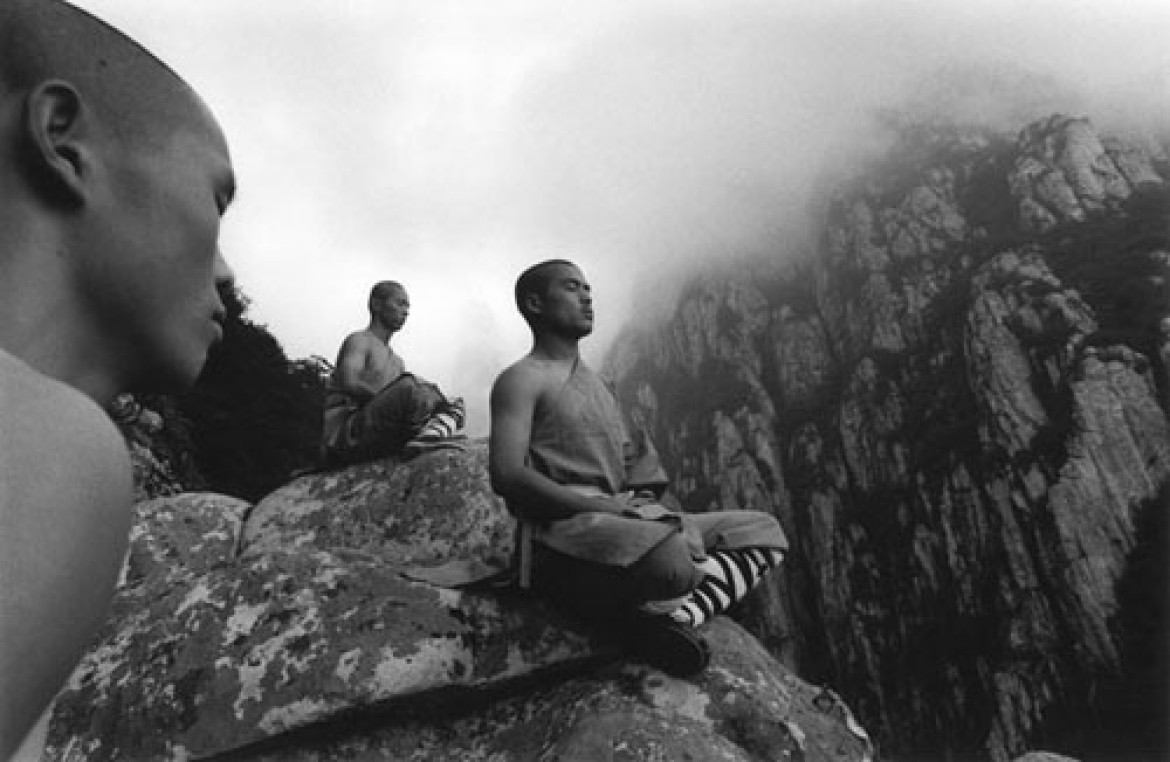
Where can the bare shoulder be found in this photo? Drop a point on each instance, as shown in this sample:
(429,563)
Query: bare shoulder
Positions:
(526,377)
(358,342)
(55,443)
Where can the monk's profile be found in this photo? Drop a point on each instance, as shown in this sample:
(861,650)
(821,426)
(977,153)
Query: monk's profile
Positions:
(374,406)
(113,178)
(597,534)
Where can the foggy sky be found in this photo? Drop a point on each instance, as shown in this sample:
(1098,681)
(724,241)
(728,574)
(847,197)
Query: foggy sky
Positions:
(450,144)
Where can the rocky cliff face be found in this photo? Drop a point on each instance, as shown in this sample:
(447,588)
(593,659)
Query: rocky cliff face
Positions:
(308,627)
(957,409)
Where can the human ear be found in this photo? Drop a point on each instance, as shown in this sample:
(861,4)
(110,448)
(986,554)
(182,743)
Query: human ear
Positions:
(533,303)
(53,130)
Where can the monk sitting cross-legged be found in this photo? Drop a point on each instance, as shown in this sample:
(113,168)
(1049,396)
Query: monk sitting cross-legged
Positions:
(594,534)
(373,406)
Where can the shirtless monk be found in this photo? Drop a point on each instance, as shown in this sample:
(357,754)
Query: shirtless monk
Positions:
(113,177)
(595,534)
(374,407)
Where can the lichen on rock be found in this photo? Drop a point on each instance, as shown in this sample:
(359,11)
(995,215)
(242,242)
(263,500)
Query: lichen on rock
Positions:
(297,629)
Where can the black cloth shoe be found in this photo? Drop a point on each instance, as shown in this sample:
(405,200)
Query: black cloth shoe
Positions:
(673,647)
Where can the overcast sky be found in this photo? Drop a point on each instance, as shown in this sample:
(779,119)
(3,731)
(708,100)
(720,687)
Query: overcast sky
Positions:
(450,143)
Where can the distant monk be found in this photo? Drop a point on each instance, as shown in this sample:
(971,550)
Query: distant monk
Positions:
(373,406)
(595,535)
(113,177)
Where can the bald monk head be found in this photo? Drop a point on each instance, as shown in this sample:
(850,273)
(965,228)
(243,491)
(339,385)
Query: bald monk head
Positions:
(541,292)
(113,178)
(389,306)
(114,165)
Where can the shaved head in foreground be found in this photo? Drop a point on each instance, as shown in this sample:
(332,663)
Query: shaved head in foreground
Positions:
(113,178)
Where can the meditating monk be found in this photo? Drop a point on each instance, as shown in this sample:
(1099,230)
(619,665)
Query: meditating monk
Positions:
(595,534)
(373,405)
(113,178)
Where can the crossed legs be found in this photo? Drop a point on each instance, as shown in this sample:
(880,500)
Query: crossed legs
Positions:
(741,546)
(407,408)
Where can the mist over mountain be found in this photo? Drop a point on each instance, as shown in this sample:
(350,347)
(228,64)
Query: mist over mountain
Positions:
(955,400)
(755,189)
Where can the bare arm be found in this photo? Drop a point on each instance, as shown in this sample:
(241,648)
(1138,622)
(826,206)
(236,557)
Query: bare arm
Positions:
(527,491)
(65,497)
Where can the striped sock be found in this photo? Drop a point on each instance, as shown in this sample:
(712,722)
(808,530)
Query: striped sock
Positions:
(444,423)
(730,575)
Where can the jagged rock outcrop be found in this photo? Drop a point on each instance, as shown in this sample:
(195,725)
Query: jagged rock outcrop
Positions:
(956,409)
(299,629)
(1065,171)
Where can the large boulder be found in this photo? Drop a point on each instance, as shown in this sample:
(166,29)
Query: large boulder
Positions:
(304,631)
(743,708)
(432,509)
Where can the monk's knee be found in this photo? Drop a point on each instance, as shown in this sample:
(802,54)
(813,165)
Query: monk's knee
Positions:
(666,572)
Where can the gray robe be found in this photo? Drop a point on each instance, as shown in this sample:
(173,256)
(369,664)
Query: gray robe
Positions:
(580,441)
